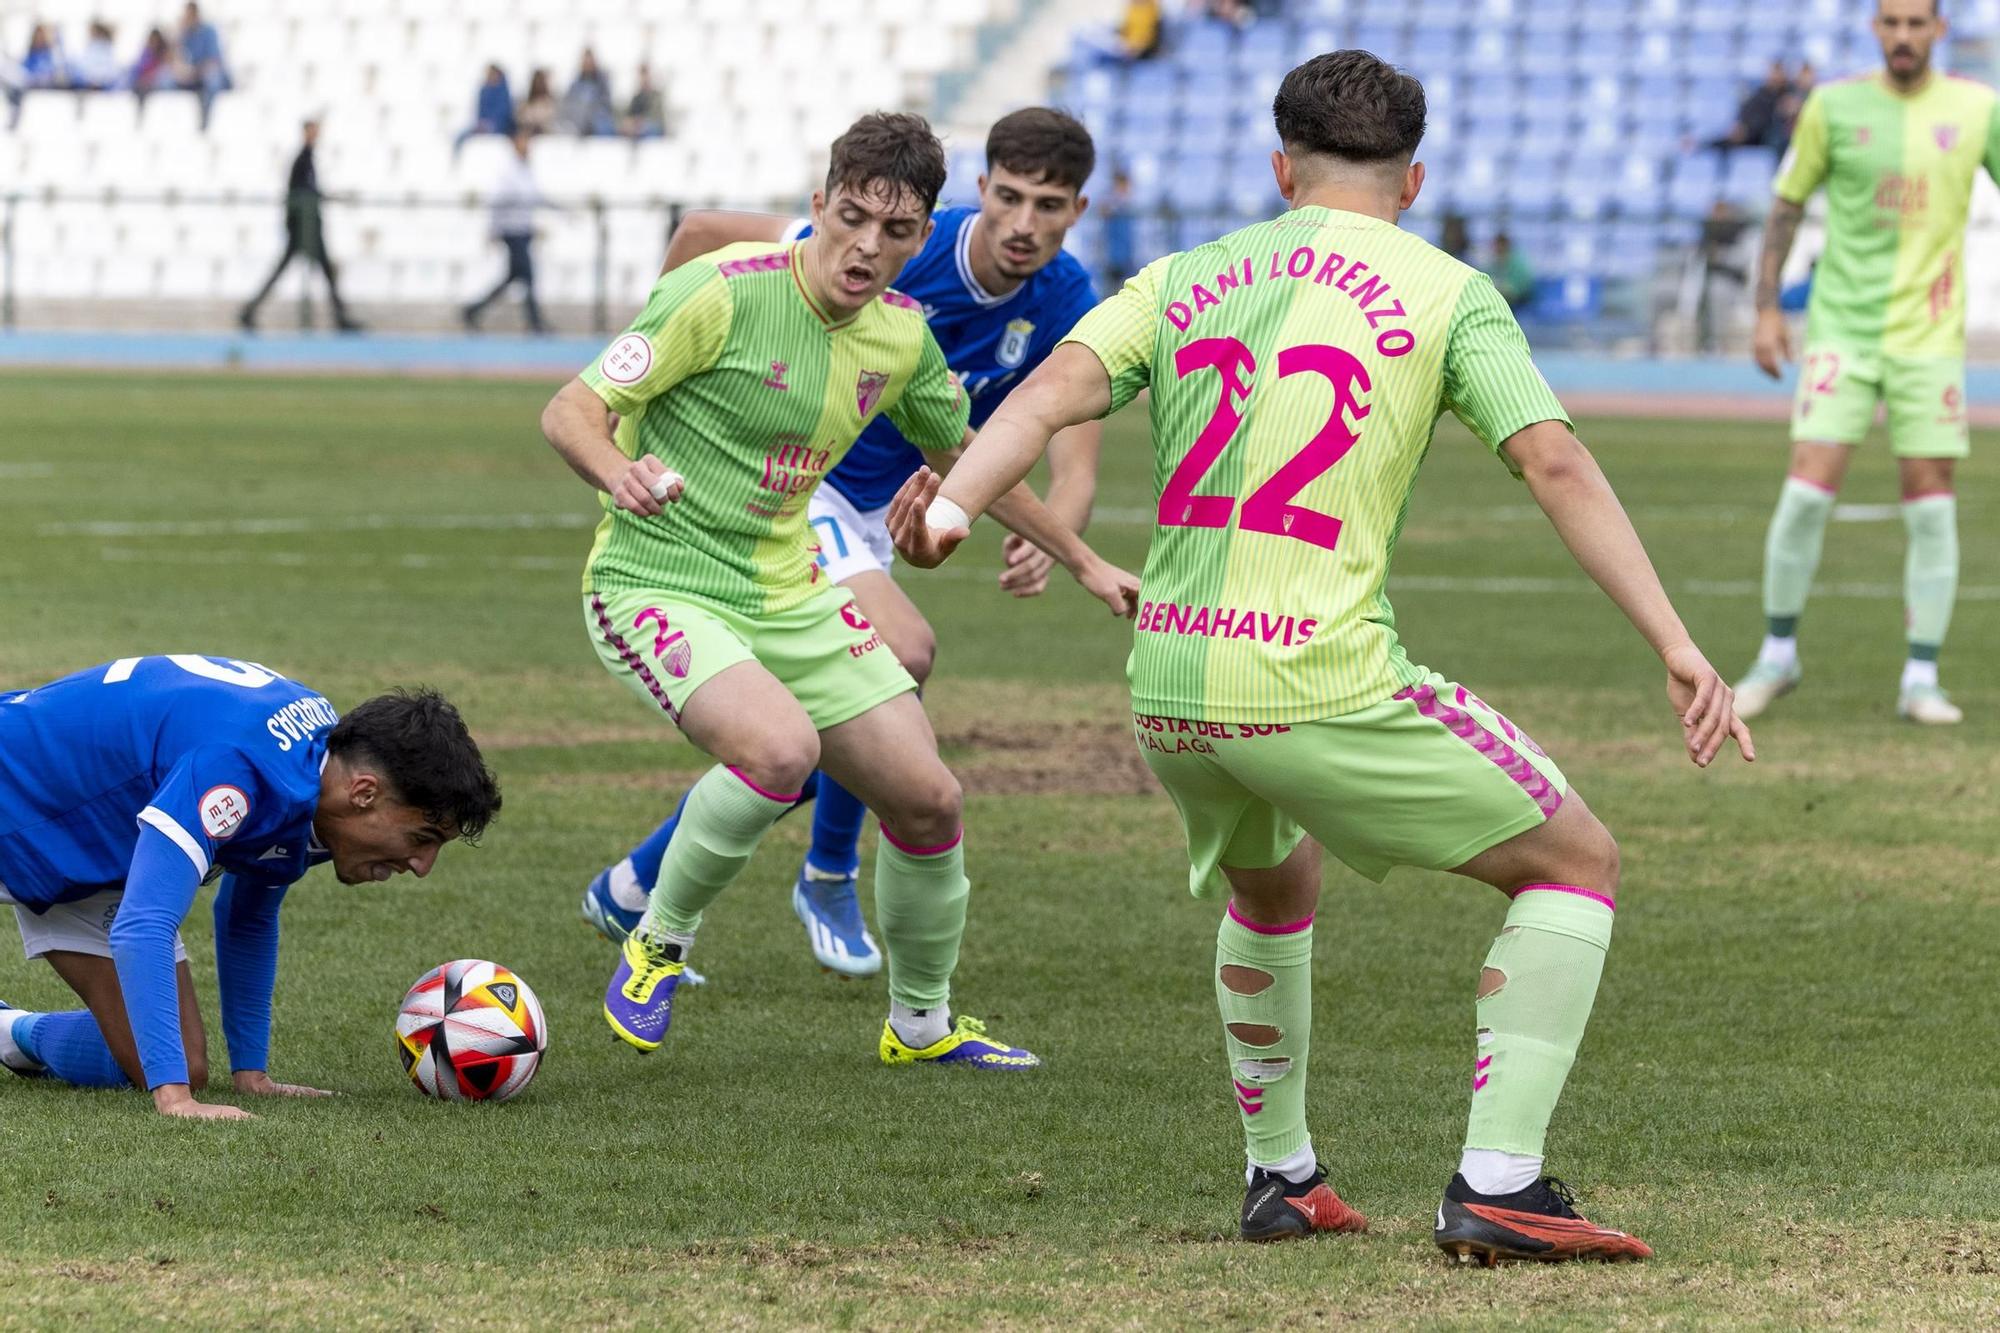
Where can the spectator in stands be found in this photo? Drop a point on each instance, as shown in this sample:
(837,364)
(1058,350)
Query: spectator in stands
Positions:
(537,112)
(43,66)
(515,198)
(1757,119)
(201,66)
(1136,36)
(98,67)
(586,107)
(305,237)
(1725,273)
(1793,102)
(1120,228)
(1453,237)
(1512,277)
(493,111)
(646,113)
(155,66)
(1236,13)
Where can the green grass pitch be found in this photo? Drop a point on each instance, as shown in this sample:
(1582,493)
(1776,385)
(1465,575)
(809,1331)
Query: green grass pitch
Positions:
(1789,1089)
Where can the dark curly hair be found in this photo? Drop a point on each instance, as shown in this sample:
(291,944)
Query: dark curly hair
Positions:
(427,755)
(1351,105)
(894,148)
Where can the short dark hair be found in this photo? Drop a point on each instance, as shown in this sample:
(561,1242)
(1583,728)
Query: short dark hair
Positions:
(1048,146)
(425,753)
(895,148)
(1350,105)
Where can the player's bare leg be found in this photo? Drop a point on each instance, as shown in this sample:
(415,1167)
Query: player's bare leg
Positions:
(93,1047)
(1791,558)
(1263,986)
(765,748)
(1930,585)
(888,757)
(823,895)
(1534,999)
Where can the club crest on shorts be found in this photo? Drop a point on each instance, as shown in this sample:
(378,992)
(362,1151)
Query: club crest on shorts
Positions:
(1013,348)
(868,390)
(852,615)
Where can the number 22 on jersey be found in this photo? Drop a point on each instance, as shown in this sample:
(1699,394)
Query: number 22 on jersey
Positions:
(1269,508)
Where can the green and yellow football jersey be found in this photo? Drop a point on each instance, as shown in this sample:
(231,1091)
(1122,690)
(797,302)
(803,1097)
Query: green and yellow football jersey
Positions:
(1898,172)
(1298,369)
(734,377)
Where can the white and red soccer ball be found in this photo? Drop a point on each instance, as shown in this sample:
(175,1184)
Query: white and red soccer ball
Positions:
(471,1031)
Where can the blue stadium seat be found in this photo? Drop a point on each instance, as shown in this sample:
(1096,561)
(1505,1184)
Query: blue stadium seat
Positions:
(1201,44)
(1390,41)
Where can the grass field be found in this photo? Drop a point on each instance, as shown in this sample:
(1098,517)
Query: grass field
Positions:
(1789,1088)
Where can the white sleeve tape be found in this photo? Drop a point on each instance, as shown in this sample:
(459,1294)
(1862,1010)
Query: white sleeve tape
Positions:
(945,515)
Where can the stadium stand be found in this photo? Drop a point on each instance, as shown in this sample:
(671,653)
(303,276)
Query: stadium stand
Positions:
(754,89)
(1566,122)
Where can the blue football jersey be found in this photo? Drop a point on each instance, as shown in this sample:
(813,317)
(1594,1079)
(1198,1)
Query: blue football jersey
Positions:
(223,757)
(990,342)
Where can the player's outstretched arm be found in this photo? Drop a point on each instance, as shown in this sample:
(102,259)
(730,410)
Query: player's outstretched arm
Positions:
(1073,455)
(929,519)
(1571,489)
(707,229)
(575,425)
(246,968)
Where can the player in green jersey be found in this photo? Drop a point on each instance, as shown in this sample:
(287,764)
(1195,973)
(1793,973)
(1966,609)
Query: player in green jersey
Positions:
(1298,368)
(1897,151)
(752,371)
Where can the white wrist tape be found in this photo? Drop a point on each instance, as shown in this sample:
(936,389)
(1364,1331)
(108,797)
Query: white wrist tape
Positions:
(945,515)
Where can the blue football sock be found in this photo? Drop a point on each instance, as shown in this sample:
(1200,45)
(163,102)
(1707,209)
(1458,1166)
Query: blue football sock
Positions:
(836,836)
(71,1048)
(646,857)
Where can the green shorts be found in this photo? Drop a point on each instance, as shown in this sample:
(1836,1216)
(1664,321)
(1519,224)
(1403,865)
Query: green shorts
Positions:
(666,645)
(1429,778)
(1839,387)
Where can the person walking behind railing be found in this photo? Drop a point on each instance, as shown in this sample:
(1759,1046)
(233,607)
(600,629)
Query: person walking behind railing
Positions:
(304,236)
(515,198)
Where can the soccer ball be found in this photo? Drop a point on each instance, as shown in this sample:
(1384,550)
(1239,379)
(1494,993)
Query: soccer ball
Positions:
(471,1031)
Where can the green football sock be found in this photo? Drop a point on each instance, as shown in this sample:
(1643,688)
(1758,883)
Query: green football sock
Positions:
(1549,955)
(920,895)
(1274,991)
(1792,548)
(1930,573)
(724,820)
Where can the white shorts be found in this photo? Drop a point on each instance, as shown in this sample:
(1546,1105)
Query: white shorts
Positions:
(851,541)
(83,926)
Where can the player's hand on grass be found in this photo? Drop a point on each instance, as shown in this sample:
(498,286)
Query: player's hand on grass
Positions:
(175,1099)
(1772,343)
(646,487)
(1027,566)
(1706,704)
(1111,586)
(916,540)
(257,1083)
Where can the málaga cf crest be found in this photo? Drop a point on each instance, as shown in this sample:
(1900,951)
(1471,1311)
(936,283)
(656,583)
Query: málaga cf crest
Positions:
(868,390)
(1013,349)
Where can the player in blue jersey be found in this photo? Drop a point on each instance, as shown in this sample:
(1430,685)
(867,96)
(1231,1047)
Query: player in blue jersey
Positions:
(125,787)
(999,293)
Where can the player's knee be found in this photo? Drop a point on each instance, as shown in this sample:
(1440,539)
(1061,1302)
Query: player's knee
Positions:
(783,761)
(918,657)
(930,809)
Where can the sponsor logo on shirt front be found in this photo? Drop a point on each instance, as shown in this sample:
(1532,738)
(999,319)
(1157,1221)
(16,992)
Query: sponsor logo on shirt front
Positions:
(223,810)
